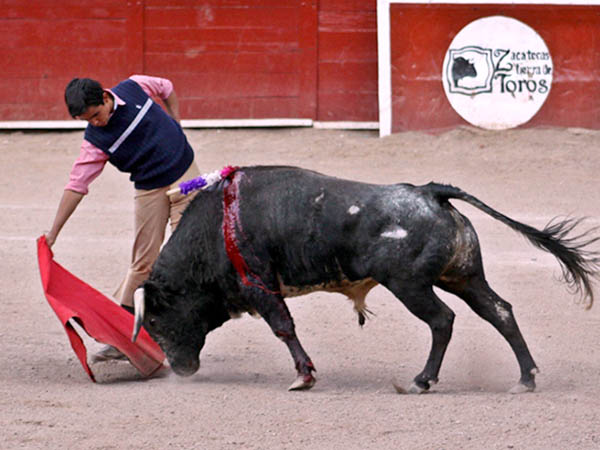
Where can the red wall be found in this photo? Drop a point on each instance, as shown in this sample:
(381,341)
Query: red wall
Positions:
(44,45)
(228,58)
(572,34)
(235,59)
(347,65)
(312,59)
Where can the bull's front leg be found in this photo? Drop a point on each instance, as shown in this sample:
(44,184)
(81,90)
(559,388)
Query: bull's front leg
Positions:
(274,310)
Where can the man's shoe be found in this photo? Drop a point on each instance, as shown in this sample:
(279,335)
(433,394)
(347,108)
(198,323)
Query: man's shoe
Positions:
(108,353)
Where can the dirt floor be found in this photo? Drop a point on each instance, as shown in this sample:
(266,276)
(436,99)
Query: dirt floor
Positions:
(238,399)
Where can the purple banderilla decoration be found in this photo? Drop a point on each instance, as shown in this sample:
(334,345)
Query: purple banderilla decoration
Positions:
(205,180)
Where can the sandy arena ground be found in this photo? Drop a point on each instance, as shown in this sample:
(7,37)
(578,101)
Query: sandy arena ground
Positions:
(238,399)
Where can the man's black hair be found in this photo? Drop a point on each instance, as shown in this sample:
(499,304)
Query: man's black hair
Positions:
(81,93)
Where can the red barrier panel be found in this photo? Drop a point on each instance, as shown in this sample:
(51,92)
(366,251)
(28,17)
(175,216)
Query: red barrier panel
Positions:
(421,33)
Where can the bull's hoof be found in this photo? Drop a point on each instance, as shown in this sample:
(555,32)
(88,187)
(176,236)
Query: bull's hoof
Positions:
(302,383)
(521,388)
(414,388)
(526,383)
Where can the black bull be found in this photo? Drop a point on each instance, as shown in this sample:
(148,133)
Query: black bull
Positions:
(268,233)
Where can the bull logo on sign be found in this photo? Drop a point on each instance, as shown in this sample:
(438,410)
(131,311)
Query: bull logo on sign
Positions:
(470,70)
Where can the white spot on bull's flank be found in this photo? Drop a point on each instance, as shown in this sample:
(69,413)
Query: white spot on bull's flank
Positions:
(353,209)
(320,197)
(398,233)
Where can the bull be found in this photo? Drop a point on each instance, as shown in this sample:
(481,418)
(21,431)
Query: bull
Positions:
(267,233)
(462,68)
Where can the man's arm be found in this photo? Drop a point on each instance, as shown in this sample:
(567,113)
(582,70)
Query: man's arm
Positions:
(161,88)
(172,105)
(86,168)
(68,204)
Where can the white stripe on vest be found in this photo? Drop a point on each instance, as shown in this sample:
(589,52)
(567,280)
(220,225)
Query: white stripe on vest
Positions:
(140,115)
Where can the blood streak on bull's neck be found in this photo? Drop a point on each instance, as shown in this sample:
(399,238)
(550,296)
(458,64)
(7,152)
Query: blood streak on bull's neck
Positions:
(232,223)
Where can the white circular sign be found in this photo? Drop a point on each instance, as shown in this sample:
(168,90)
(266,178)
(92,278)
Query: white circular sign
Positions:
(497,73)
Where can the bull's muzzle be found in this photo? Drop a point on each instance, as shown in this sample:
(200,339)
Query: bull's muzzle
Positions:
(139,305)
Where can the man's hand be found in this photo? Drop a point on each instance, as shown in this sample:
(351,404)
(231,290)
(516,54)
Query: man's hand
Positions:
(50,239)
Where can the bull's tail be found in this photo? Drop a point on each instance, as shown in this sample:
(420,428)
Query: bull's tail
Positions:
(579,265)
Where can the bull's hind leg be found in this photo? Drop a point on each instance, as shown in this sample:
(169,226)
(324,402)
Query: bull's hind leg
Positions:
(491,307)
(424,304)
(276,313)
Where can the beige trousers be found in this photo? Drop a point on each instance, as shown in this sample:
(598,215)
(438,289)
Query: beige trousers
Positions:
(153,210)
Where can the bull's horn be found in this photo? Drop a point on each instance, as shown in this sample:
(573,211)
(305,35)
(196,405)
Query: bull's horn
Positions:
(139,307)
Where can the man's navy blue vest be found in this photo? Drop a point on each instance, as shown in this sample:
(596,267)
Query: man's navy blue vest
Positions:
(143,140)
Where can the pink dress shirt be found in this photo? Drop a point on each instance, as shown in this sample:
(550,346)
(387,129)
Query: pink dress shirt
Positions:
(91,160)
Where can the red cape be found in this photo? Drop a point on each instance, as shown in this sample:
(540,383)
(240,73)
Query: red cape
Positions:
(100,317)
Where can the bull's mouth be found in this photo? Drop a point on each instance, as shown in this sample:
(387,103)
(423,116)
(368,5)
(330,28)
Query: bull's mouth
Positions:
(185,368)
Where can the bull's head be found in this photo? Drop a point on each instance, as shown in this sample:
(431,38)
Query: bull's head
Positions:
(177,321)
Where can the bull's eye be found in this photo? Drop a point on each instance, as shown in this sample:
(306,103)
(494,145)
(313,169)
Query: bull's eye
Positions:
(152,322)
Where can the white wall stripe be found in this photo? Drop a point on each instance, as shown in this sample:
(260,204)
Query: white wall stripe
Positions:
(196,123)
(233,123)
(346,125)
(384,69)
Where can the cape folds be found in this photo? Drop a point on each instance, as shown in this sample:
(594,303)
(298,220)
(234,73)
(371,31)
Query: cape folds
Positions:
(100,317)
